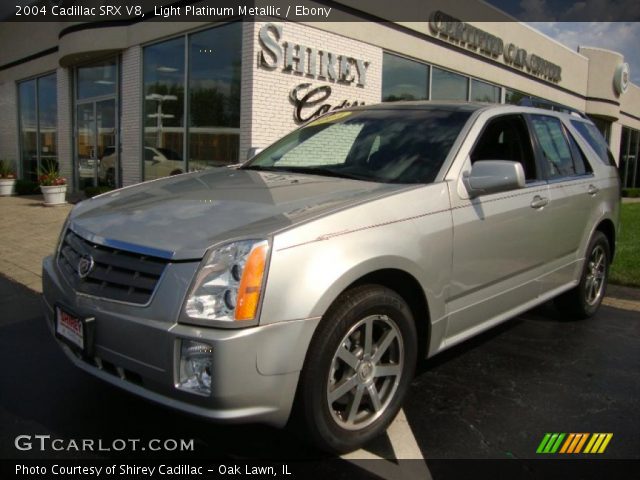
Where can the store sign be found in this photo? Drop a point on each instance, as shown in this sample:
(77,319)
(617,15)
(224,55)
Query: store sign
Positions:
(310,61)
(472,38)
(311,102)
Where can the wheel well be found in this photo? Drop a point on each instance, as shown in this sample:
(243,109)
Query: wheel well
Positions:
(405,285)
(609,230)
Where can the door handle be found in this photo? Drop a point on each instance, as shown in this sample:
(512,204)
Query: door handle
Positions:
(593,190)
(539,202)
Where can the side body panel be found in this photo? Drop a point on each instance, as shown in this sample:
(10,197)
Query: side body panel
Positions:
(509,256)
(313,264)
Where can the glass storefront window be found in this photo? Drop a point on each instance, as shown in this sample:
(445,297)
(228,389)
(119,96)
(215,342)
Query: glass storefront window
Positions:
(214,96)
(28,129)
(513,97)
(164,86)
(97,80)
(604,126)
(404,79)
(212,66)
(484,92)
(37,104)
(629,152)
(47,118)
(448,85)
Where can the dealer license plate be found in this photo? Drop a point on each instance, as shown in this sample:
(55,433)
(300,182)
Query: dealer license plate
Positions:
(70,328)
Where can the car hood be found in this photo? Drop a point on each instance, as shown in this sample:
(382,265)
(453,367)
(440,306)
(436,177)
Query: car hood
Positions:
(180,217)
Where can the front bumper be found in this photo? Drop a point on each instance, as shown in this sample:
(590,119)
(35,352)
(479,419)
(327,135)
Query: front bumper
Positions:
(137,348)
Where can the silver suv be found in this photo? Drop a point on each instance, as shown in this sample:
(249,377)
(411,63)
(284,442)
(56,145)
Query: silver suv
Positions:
(307,281)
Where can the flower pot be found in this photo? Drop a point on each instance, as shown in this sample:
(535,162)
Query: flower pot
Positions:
(7,186)
(54,194)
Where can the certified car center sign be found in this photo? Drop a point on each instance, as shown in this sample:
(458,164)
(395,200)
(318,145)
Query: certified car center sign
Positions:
(472,38)
(310,100)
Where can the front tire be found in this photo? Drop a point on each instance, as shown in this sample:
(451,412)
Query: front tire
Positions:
(359,365)
(584,300)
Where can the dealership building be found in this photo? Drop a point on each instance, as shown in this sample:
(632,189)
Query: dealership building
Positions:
(119,103)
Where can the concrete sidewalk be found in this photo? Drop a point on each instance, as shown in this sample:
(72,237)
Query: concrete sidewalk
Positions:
(29,233)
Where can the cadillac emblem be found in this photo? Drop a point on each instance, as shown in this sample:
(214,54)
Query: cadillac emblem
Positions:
(85,266)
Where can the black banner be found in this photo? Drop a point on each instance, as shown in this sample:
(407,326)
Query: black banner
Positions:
(131,11)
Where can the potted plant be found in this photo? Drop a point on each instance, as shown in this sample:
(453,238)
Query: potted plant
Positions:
(7,179)
(52,185)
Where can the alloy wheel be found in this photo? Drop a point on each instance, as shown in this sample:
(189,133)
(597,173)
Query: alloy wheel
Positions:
(595,275)
(365,372)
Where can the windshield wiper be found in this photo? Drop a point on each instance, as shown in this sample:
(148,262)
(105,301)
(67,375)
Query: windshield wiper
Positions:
(261,168)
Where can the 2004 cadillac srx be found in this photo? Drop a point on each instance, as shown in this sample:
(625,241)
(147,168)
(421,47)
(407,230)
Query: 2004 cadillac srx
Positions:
(310,278)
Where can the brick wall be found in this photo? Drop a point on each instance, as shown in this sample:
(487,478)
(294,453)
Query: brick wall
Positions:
(272,110)
(330,146)
(131,116)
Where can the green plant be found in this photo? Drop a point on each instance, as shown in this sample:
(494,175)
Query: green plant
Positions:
(6,170)
(26,187)
(631,192)
(48,175)
(99,190)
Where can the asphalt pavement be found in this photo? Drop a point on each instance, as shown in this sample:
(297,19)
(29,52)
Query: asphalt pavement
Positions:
(493,397)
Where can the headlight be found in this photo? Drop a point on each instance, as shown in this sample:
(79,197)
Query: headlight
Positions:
(229,283)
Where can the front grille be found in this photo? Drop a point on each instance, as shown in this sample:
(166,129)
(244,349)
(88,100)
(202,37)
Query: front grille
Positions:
(116,274)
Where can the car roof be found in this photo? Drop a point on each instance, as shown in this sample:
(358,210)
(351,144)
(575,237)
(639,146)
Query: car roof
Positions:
(424,105)
(464,106)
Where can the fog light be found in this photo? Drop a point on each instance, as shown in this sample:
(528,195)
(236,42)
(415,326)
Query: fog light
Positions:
(196,362)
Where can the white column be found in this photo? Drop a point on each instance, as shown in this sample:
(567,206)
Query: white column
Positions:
(65,122)
(131,122)
(246,89)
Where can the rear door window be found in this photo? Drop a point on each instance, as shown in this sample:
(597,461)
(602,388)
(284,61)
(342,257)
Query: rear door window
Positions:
(556,149)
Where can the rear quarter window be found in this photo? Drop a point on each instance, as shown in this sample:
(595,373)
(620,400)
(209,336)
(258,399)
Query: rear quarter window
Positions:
(596,141)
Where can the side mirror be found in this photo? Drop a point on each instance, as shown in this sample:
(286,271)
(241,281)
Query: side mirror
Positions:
(492,176)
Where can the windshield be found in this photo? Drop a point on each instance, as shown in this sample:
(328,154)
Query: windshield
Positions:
(390,146)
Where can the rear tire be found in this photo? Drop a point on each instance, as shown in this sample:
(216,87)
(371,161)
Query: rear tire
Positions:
(358,368)
(584,300)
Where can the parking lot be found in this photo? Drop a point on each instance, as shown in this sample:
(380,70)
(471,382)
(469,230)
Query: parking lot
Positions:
(493,397)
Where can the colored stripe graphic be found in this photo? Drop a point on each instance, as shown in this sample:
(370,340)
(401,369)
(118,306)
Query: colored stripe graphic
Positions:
(553,443)
(598,442)
(550,443)
(544,441)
